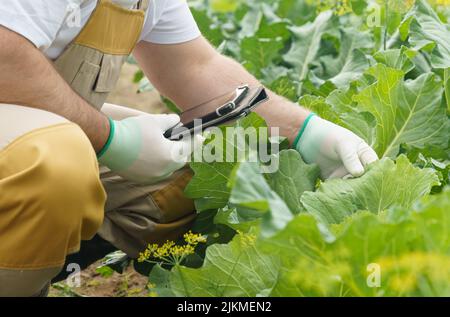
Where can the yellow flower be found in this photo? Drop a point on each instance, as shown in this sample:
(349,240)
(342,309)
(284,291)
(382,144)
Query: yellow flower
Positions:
(188,249)
(403,273)
(177,251)
(141,257)
(193,239)
(247,239)
(441,2)
(164,250)
(340,7)
(170,252)
(400,6)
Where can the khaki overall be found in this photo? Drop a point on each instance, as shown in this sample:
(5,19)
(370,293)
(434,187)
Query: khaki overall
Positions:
(51,195)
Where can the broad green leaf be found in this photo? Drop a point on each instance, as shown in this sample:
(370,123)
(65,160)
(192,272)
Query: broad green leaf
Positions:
(306,44)
(285,87)
(421,65)
(273,73)
(447,88)
(292,179)
(258,53)
(342,99)
(440,153)
(434,158)
(427,32)
(299,243)
(209,29)
(358,6)
(215,231)
(209,185)
(395,11)
(250,23)
(232,270)
(297,11)
(282,141)
(274,30)
(315,86)
(351,61)
(384,185)
(344,115)
(238,219)
(251,192)
(353,68)
(408,112)
(319,106)
(397,58)
(337,108)
(412,253)
(361,123)
(251,125)
(159,282)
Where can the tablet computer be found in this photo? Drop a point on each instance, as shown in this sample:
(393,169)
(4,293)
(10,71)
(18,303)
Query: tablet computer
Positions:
(220,110)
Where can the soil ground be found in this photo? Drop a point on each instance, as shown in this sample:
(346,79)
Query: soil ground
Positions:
(130,283)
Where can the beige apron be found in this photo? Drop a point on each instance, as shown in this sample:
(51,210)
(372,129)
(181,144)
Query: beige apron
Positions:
(135,214)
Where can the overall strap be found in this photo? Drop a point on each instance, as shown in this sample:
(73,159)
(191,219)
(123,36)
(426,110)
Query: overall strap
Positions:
(91,63)
(143,5)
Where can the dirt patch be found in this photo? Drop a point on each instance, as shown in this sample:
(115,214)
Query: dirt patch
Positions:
(128,284)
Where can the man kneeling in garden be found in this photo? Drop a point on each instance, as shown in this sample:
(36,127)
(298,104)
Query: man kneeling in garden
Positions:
(55,129)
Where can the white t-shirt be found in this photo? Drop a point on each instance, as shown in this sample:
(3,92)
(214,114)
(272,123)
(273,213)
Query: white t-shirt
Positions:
(52,24)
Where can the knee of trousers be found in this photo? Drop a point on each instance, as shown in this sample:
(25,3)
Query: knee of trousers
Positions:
(138,215)
(51,197)
(26,283)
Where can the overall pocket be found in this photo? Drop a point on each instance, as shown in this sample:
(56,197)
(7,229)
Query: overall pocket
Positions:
(94,82)
(109,73)
(84,81)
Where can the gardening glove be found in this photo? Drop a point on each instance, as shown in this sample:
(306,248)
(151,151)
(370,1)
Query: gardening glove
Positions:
(138,151)
(337,151)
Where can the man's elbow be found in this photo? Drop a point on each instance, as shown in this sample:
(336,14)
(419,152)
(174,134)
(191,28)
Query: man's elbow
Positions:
(13,46)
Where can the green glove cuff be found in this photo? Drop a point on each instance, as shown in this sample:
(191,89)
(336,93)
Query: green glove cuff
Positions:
(112,128)
(302,130)
(123,146)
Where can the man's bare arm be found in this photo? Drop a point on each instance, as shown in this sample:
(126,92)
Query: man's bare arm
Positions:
(193,72)
(28,78)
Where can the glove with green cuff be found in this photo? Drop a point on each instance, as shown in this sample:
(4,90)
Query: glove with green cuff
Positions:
(138,151)
(337,151)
